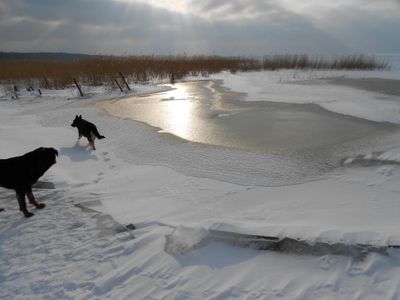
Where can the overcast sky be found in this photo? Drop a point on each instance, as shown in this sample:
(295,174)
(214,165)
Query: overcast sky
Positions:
(222,27)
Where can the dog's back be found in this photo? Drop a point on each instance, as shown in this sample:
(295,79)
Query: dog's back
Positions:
(9,171)
(23,171)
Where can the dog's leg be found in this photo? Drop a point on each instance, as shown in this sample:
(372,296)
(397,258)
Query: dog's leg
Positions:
(32,199)
(22,203)
(91,144)
(91,141)
(79,134)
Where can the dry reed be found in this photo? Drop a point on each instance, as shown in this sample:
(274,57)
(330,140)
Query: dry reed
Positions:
(104,70)
(344,62)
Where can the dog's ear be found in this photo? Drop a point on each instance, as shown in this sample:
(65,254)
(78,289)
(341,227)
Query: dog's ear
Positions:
(80,117)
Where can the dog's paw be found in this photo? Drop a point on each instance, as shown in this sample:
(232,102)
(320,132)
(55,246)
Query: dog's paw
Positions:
(1,209)
(40,206)
(28,214)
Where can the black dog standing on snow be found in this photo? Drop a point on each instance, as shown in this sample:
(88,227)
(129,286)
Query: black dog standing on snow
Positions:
(86,129)
(21,172)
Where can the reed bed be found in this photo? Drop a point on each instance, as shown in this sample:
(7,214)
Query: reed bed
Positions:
(138,69)
(344,62)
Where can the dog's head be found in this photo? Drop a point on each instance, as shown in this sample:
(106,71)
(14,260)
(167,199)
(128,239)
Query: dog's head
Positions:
(76,121)
(52,153)
(38,161)
(47,156)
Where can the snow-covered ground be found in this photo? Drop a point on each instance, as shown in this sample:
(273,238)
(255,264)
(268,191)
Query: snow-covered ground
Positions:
(343,100)
(168,187)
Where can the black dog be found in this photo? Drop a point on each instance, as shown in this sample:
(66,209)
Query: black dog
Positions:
(86,129)
(21,172)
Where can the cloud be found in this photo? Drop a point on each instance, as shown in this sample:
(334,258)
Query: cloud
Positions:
(94,12)
(240,9)
(320,8)
(234,27)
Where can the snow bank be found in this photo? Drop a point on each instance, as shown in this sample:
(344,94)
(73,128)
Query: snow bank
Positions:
(66,253)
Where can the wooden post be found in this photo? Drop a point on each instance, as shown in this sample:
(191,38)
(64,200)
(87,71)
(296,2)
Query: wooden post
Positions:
(123,78)
(15,91)
(77,85)
(116,81)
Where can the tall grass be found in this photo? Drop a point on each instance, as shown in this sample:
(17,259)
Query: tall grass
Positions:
(104,70)
(344,62)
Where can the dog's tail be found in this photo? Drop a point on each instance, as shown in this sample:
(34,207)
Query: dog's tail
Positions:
(98,135)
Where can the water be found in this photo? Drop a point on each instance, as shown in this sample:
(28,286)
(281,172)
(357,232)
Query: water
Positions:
(203,112)
(249,143)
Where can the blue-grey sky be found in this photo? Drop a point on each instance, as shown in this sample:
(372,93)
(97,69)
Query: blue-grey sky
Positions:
(223,27)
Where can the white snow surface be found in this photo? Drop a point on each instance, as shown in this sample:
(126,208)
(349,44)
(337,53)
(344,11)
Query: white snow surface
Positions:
(64,252)
(344,100)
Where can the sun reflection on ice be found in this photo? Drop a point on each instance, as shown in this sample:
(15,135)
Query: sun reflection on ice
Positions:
(179,110)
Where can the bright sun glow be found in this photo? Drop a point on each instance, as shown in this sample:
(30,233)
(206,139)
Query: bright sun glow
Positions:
(179,110)
(175,5)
